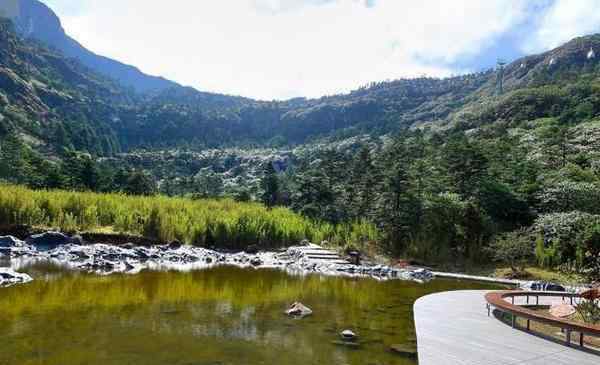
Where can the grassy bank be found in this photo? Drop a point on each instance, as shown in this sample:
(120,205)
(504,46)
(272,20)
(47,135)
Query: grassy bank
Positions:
(221,223)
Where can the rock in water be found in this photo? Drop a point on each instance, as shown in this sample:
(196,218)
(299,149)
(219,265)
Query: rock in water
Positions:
(298,310)
(10,277)
(48,240)
(10,241)
(348,335)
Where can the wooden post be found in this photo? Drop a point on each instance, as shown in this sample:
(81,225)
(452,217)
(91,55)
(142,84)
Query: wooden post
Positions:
(527,298)
(537,300)
(528,327)
(581,339)
(568,337)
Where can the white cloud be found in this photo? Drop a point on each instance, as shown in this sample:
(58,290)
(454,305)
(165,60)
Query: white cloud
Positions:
(562,21)
(285,48)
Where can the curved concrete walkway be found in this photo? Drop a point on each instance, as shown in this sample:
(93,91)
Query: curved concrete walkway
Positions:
(454,328)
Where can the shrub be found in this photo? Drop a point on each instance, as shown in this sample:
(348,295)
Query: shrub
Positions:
(514,249)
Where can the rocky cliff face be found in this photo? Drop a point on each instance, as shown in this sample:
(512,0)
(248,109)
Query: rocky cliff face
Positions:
(35,20)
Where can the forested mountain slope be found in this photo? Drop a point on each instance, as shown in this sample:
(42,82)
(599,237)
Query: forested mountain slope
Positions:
(442,167)
(69,105)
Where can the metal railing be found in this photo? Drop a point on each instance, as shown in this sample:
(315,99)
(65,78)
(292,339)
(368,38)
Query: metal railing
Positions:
(499,300)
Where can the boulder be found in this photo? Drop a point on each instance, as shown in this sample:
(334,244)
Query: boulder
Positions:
(175,245)
(48,240)
(256,261)
(10,241)
(421,275)
(77,240)
(298,310)
(10,277)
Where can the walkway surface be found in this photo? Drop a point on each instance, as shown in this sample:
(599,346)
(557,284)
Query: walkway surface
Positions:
(454,328)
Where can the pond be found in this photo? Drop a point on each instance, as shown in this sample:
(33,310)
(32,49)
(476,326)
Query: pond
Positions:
(224,315)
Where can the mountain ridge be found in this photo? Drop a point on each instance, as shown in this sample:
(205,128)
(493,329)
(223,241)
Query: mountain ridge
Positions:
(36,20)
(47,81)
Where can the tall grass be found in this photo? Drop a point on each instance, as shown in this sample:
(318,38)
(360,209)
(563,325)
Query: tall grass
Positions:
(219,223)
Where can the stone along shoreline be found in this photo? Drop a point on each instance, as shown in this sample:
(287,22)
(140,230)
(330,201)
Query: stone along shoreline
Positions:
(104,259)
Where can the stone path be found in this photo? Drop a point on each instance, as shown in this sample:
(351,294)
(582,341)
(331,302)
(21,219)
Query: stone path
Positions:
(453,328)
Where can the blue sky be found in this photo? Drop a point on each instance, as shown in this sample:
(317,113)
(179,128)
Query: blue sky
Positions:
(277,49)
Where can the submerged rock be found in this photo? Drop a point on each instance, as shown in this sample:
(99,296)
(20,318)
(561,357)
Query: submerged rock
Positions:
(405,350)
(350,344)
(298,310)
(10,277)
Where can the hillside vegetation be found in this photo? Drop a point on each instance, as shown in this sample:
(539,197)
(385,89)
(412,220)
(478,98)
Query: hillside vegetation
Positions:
(447,170)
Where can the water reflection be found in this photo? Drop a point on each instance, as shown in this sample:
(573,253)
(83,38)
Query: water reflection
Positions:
(219,316)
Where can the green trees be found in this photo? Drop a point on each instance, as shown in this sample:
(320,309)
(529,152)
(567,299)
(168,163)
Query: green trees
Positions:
(139,183)
(207,184)
(270,185)
(588,253)
(516,249)
(362,187)
(466,165)
(398,208)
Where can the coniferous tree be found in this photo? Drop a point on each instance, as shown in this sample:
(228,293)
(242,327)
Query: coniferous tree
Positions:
(363,185)
(398,206)
(466,165)
(269,185)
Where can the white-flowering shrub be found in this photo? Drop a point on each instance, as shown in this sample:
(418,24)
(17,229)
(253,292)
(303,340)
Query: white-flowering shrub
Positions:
(567,196)
(560,236)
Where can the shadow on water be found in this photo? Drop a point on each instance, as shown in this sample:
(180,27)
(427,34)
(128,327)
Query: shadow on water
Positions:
(224,315)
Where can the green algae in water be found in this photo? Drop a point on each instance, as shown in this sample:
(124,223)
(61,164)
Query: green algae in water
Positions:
(219,316)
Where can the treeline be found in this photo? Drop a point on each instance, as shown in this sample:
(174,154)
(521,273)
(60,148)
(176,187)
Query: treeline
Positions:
(19,164)
(455,197)
(221,223)
(436,198)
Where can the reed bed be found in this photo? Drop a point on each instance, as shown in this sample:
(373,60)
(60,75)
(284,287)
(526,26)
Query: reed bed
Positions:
(222,223)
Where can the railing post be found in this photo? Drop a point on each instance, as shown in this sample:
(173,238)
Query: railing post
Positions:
(568,337)
(581,339)
(528,327)
(537,300)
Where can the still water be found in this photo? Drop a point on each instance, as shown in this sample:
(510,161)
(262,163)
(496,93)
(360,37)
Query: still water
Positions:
(220,316)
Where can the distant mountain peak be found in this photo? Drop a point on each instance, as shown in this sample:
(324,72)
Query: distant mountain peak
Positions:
(33,19)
